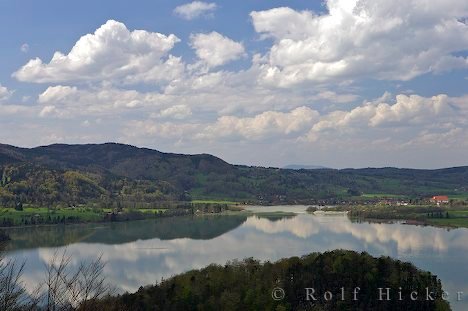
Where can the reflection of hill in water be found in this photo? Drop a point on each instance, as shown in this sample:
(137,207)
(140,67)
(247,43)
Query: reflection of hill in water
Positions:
(276,217)
(197,228)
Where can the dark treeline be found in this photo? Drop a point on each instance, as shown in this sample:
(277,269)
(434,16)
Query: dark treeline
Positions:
(394,212)
(391,212)
(249,284)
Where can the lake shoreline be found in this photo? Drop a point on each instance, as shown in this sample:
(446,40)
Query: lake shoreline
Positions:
(425,215)
(156,249)
(262,211)
(40,216)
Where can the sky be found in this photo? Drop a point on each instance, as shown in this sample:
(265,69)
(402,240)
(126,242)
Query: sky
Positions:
(336,83)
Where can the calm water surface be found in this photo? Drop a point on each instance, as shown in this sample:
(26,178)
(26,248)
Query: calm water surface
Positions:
(143,252)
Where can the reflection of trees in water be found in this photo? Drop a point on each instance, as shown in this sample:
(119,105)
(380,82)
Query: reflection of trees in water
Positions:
(47,236)
(198,228)
(275,217)
(3,236)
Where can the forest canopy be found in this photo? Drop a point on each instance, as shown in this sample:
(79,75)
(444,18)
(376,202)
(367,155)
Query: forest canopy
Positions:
(252,285)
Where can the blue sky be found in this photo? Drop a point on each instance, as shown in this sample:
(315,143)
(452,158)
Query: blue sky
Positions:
(58,25)
(339,83)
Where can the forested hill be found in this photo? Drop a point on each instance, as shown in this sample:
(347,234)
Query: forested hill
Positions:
(250,285)
(75,174)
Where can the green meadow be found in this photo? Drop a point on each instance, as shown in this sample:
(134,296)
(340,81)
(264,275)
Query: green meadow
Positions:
(41,215)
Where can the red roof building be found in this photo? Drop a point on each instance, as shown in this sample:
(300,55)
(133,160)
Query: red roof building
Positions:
(440,199)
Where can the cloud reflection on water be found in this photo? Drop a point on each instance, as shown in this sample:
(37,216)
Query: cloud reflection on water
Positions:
(142,262)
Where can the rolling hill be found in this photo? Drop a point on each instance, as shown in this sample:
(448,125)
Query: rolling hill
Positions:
(78,174)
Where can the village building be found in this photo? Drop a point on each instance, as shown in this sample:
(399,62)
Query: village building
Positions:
(440,199)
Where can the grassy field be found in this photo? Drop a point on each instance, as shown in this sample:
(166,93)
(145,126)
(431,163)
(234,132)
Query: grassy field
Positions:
(449,222)
(214,202)
(86,215)
(41,215)
(151,210)
(455,219)
(382,195)
(458,214)
(31,215)
(461,196)
(447,216)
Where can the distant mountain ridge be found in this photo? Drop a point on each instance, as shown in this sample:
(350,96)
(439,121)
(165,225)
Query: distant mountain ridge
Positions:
(79,174)
(106,155)
(304,167)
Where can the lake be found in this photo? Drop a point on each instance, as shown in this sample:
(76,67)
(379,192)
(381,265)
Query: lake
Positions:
(142,252)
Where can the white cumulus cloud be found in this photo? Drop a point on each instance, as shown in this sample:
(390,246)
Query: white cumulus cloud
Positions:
(5,93)
(263,125)
(56,94)
(111,52)
(178,112)
(215,49)
(390,40)
(195,9)
(71,101)
(49,110)
(406,115)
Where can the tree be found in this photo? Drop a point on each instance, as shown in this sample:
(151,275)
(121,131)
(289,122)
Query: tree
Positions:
(68,288)
(12,293)
(248,284)
(64,287)
(18,206)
